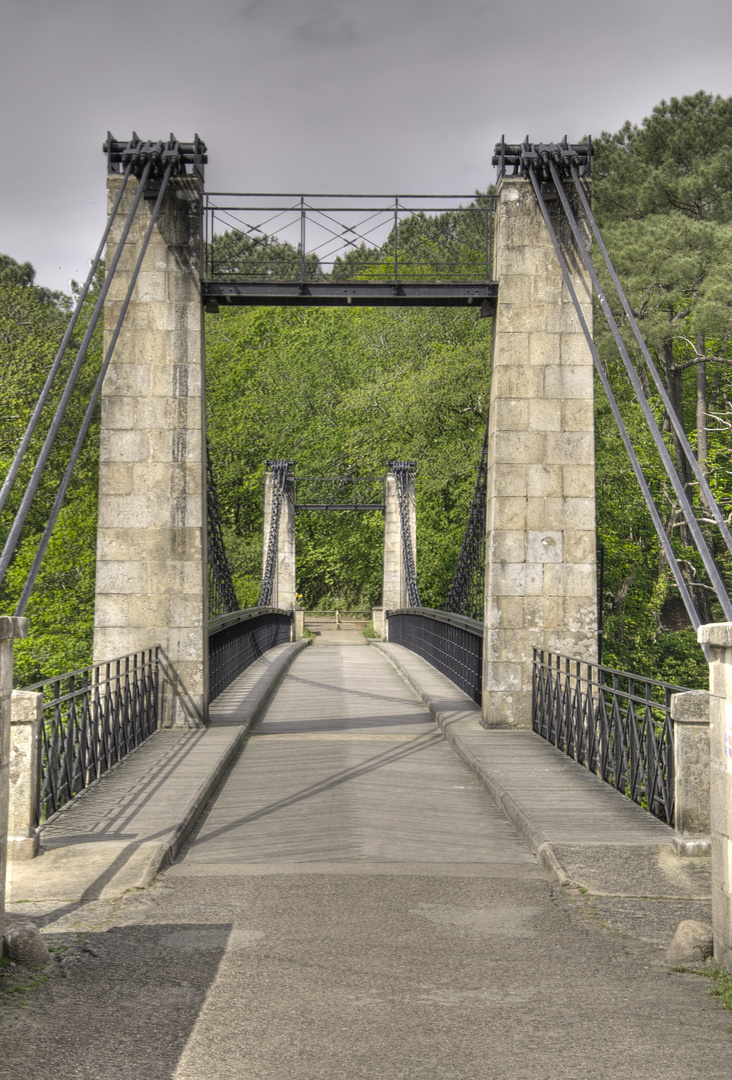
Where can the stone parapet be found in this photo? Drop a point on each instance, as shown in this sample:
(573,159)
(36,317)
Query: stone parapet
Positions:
(718,637)
(10,629)
(26,718)
(690,713)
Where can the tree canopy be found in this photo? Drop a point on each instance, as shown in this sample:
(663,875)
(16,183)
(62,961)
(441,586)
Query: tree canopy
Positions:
(340,391)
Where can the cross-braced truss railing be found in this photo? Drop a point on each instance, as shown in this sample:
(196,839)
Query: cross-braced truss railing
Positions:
(615,724)
(339,493)
(349,249)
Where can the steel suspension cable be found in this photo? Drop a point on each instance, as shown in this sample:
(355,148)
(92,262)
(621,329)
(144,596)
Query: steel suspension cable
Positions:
(20,518)
(86,423)
(32,423)
(679,490)
(635,464)
(668,405)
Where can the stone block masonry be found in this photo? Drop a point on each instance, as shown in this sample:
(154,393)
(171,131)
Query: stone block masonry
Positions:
(719,639)
(540,550)
(151,548)
(394,581)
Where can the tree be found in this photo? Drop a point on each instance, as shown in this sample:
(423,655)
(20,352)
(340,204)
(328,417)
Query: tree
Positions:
(60,611)
(662,194)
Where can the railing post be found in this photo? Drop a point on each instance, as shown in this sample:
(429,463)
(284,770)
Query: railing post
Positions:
(10,629)
(719,638)
(26,718)
(690,713)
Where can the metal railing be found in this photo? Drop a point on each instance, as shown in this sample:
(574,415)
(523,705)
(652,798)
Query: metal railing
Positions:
(451,643)
(93,718)
(377,238)
(235,641)
(616,724)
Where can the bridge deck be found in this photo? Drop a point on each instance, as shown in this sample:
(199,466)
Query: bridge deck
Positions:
(354,906)
(347,764)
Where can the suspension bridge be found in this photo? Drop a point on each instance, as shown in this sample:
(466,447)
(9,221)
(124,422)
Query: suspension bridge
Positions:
(355,760)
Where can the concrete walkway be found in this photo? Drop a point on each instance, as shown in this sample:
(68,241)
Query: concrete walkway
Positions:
(354,906)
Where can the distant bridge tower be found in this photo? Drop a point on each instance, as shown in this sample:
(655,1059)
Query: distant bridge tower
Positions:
(151,551)
(397,555)
(540,546)
(278,551)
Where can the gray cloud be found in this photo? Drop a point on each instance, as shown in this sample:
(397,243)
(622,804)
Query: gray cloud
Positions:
(371,95)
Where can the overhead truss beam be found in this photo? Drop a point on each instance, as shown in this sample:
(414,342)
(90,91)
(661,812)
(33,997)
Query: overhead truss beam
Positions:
(483,295)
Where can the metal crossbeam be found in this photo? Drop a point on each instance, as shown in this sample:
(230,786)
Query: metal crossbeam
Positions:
(337,250)
(482,295)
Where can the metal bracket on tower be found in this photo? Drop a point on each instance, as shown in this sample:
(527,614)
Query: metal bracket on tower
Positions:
(524,157)
(186,158)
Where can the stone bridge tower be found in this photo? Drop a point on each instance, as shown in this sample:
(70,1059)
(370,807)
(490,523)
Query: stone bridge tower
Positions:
(540,547)
(151,549)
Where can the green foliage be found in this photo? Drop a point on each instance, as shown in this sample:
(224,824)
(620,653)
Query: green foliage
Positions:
(340,392)
(663,199)
(60,611)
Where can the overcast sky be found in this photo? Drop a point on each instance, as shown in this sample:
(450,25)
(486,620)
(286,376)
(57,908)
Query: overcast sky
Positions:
(392,96)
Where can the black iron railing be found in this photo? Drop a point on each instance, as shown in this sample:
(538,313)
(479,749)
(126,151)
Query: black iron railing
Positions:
(92,718)
(467,591)
(615,724)
(221,591)
(235,641)
(451,643)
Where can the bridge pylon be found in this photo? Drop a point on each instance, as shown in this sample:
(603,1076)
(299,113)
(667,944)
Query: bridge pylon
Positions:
(540,585)
(395,584)
(282,594)
(151,586)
